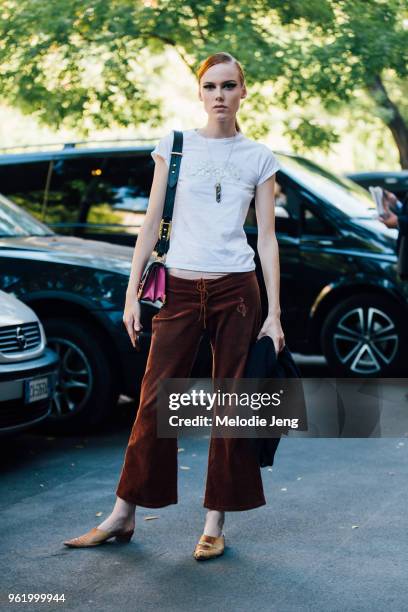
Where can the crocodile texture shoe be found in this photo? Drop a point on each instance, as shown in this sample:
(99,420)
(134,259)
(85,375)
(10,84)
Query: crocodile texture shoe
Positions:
(209,547)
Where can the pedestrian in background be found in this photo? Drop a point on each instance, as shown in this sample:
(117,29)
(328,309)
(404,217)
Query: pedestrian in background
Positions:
(396,216)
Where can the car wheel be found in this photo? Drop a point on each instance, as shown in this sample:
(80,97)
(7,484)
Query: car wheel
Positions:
(86,387)
(362,336)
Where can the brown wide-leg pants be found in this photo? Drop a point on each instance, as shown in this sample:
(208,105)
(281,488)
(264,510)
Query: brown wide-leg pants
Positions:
(229,308)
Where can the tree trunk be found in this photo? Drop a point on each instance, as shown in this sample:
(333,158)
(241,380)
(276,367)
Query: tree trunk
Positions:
(395,123)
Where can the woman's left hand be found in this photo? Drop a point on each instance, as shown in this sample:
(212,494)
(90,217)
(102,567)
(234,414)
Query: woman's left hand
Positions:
(272,328)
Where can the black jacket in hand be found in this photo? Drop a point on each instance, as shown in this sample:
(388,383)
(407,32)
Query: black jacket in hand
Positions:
(263,363)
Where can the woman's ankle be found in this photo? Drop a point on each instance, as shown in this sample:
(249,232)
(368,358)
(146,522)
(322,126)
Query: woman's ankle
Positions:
(114,521)
(214,523)
(123,511)
(124,508)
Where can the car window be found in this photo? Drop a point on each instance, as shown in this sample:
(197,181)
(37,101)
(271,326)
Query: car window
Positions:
(101,190)
(314,225)
(24,184)
(285,210)
(16,222)
(341,192)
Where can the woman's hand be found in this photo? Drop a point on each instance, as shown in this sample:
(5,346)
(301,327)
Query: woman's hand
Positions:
(131,319)
(272,328)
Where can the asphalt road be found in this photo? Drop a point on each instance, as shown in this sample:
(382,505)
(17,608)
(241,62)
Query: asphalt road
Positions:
(332,537)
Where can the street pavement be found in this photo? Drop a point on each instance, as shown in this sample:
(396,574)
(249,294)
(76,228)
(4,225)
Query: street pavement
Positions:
(332,537)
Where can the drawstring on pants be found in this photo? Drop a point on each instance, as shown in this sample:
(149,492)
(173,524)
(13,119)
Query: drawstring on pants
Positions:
(201,286)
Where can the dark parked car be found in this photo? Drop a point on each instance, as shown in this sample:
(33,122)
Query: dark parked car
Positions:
(340,294)
(28,367)
(77,288)
(86,192)
(397,182)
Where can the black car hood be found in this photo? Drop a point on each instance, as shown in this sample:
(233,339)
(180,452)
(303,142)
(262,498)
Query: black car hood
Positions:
(72,250)
(386,236)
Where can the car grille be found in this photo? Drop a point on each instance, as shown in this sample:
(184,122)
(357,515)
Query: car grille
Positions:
(19,338)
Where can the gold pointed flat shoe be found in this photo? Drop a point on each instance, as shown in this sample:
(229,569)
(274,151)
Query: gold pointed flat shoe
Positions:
(209,547)
(99,536)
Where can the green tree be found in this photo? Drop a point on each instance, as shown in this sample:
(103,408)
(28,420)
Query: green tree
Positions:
(85,63)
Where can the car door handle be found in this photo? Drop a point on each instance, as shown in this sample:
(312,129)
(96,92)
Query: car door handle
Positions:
(325,242)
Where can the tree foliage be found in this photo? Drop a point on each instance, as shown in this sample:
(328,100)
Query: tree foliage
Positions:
(85,63)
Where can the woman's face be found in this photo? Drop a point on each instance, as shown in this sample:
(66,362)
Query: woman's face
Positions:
(220,86)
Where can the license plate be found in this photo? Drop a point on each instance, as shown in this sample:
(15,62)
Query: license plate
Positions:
(37,389)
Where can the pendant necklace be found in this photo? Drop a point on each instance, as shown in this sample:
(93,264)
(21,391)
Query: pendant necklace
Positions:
(220,174)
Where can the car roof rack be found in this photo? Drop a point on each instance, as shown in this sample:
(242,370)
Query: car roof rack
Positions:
(75,144)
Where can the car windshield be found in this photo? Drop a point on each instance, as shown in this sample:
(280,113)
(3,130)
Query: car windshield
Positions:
(343,193)
(15,221)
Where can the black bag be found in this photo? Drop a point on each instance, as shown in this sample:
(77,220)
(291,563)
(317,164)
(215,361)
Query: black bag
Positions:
(152,285)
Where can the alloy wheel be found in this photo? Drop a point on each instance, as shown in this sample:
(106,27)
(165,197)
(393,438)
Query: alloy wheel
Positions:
(365,340)
(74,381)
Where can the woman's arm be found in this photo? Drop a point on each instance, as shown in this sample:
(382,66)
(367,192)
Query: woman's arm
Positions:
(144,247)
(149,232)
(268,251)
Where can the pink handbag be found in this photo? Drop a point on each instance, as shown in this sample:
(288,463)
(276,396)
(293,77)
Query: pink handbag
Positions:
(152,286)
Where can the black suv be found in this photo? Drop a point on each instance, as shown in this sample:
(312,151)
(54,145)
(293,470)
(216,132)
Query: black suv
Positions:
(340,293)
(396,182)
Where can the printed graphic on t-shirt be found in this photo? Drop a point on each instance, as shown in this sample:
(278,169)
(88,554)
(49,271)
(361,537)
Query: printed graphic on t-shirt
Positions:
(211,168)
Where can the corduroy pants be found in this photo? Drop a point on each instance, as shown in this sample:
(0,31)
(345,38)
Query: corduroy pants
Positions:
(229,308)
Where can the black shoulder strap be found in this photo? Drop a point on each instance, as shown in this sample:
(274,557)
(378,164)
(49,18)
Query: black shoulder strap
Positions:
(163,242)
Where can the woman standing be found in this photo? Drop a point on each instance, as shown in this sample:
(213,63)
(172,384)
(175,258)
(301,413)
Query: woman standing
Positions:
(212,286)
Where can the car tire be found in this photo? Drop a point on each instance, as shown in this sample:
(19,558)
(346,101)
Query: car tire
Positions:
(86,391)
(363,337)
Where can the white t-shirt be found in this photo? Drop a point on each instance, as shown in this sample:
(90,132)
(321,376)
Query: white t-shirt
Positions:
(205,234)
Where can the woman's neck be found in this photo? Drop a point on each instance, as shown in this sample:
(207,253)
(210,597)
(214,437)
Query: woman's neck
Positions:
(218,131)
